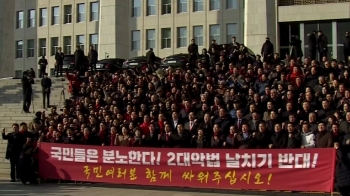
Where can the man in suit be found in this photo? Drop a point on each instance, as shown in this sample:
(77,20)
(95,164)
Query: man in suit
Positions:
(79,57)
(240,120)
(175,120)
(42,63)
(234,49)
(192,51)
(14,149)
(181,137)
(27,82)
(267,50)
(191,126)
(46,84)
(151,59)
(59,56)
(254,122)
(312,45)
(322,43)
(151,139)
(93,57)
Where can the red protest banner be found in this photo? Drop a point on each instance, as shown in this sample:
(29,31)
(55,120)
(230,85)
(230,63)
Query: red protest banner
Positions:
(284,169)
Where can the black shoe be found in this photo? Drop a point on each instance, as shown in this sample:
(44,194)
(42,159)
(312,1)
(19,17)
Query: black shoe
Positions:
(27,111)
(12,180)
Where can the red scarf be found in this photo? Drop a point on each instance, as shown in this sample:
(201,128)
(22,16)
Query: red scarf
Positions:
(113,139)
(86,137)
(102,135)
(161,126)
(231,136)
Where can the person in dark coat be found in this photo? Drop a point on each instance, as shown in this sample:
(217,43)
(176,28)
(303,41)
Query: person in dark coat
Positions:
(26,168)
(312,45)
(27,82)
(59,56)
(192,51)
(262,138)
(151,59)
(46,84)
(79,57)
(42,63)
(13,150)
(93,57)
(322,43)
(279,139)
(267,50)
(346,49)
(297,52)
(342,170)
(324,139)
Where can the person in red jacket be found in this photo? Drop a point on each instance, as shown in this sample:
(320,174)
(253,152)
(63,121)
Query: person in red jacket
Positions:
(74,82)
(296,73)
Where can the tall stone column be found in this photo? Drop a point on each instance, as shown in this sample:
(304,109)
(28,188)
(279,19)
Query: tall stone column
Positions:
(7,42)
(114,29)
(260,21)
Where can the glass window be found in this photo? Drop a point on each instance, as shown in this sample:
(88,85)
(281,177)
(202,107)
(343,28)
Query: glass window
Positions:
(284,34)
(136,8)
(231,4)
(67,14)
(340,53)
(166,38)
(151,38)
(214,4)
(166,6)
(326,28)
(151,7)
(198,35)
(81,12)
(182,6)
(81,41)
(215,32)
(197,5)
(135,42)
(20,22)
(30,48)
(342,27)
(43,17)
(181,37)
(19,49)
(67,45)
(55,15)
(231,30)
(94,41)
(294,29)
(94,11)
(54,45)
(42,47)
(31,18)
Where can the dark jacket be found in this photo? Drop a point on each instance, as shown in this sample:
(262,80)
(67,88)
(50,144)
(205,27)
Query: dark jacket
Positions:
(244,143)
(42,62)
(59,56)
(322,43)
(151,141)
(79,57)
(342,171)
(347,43)
(279,140)
(193,48)
(267,48)
(93,56)
(312,42)
(324,140)
(297,51)
(46,84)
(151,57)
(27,86)
(262,139)
(14,145)
(197,142)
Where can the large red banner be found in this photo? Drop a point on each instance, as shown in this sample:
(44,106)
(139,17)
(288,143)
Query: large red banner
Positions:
(284,169)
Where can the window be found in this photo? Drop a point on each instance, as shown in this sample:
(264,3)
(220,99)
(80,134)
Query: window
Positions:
(42,47)
(19,23)
(151,38)
(31,18)
(30,48)
(43,17)
(181,37)
(67,14)
(166,6)
(94,40)
(198,35)
(215,32)
(151,7)
(81,12)
(182,6)
(94,11)
(231,30)
(19,49)
(136,8)
(166,38)
(135,40)
(198,5)
(81,41)
(67,45)
(231,4)
(55,15)
(54,45)
(214,5)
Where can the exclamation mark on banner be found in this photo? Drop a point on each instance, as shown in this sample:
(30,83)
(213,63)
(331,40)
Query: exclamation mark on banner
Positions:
(314,161)
(158,158)
(269,179)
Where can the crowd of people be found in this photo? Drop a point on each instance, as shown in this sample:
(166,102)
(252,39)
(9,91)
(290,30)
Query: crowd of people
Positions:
(223,98)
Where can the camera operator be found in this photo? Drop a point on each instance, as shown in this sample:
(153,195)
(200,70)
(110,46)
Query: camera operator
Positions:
(27,82)
(46,84)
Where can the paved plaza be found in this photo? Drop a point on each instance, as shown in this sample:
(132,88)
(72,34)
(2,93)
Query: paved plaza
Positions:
(17,189)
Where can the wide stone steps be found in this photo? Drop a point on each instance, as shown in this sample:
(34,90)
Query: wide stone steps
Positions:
(11,101)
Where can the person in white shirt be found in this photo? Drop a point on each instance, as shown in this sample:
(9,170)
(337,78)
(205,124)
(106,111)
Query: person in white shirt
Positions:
(307,137)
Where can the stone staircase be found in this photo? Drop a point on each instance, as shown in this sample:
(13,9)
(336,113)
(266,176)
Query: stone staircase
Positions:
(11,108)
